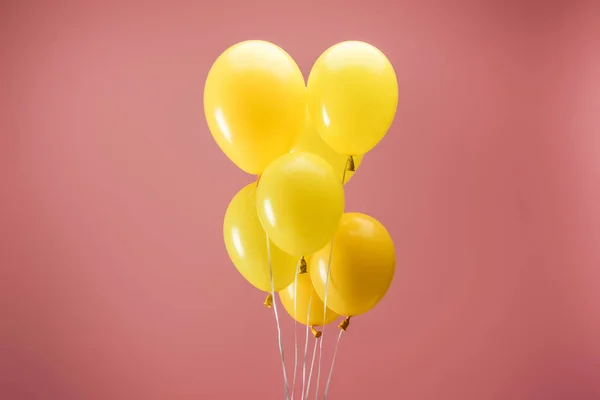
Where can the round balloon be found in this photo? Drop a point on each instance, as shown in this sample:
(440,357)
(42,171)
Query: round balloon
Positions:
(246,244)
(305,296)
(300,201)
(254,103)
(362,265)
(311,142)
(352,96)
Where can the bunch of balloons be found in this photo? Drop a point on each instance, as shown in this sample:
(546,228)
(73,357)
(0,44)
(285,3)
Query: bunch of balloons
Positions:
(287,232)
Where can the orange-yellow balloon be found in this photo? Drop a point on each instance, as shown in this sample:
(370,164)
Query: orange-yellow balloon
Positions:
(305,295)
(246,244)
(362,267)
(254,103)
(310,141)
(352,96)
(300,201)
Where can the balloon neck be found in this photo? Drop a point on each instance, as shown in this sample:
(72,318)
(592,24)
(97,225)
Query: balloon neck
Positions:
(344,324)
(316,333)
(303,266)
(269,301)
(350,166)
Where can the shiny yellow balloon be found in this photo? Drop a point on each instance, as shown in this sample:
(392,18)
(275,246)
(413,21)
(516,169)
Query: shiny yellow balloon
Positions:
(311,142)
(305,295)
(246,244)
(352,96)
(300,201)
(254,103)
(362,267)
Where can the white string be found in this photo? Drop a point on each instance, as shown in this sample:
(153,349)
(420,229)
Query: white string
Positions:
(295,333)
(324,318)
(305,349)
(332,364)
(312,364)
(326,292)
(285,380)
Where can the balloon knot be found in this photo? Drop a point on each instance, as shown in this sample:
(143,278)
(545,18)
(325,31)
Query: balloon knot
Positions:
(344,324)
(269,301)
(258,179)
(317,334)
(302,266)
(351,167)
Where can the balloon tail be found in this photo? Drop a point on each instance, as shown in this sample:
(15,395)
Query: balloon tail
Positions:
(285,380)
(269,301)
(344,324)
(337,344)
(305,350)
(351,166)
(303,266)
(316,333)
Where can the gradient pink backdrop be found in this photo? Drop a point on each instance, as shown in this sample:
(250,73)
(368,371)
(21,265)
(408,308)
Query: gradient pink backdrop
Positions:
(115,283)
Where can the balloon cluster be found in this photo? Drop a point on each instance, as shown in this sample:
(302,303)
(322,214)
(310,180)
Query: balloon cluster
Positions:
(287,231)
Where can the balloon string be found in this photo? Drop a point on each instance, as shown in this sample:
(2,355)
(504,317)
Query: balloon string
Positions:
(295,333)
(305,349)
(349,166)
(312,364)
(285,380)
(346,167)
(324,318)
(332,364)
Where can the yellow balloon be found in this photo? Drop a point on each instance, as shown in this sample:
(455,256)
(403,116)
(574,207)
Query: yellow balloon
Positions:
(362,267)
(352,96)
(254,103)
(300,201)
(246,244)
(311,142)
(305,295)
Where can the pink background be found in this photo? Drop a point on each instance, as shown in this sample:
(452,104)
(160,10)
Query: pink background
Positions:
(115,283)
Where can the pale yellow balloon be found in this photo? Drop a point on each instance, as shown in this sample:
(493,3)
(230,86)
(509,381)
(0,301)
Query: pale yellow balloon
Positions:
(300,201)
(311,142)
(254,103)
(246,244)
(352,96)
(305,295)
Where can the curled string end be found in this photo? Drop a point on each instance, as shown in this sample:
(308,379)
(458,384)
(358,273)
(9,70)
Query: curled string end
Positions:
(316,333)
(344,324)
(351,167)
(303,266)
(269,301)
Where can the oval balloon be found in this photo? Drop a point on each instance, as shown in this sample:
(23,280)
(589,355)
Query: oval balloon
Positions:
(352,96)
(246,244)
(300,201)
(254,103)
(362,267)
(311,142)
(305,296)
